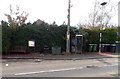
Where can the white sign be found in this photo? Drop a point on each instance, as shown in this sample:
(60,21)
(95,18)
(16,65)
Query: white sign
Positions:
(31,43)
(79,35)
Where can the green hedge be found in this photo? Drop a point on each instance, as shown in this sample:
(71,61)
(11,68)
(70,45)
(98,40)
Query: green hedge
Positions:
(6,39)
(51,35)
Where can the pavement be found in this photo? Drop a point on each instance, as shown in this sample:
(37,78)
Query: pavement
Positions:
(82,56)
(110,54)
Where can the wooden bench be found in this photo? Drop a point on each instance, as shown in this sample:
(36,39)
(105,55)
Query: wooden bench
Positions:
(16,49)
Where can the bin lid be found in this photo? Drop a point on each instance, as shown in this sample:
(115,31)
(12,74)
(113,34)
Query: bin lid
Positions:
(117,41)
(113,44)
(106,44)
(92,44)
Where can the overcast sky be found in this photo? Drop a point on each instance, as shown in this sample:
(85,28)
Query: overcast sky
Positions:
(53,10)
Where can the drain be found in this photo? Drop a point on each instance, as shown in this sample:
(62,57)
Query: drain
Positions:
(90,66)
(115,75)
(38,60)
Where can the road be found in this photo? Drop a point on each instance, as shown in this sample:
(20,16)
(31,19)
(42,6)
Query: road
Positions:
(103,67)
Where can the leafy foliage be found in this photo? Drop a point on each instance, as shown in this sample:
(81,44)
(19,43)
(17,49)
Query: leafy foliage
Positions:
(16,18)
(109,36)
(6,39)
(51,35)
(92,36)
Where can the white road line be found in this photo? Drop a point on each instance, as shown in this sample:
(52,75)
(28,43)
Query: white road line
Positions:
(108,65)
(27,73)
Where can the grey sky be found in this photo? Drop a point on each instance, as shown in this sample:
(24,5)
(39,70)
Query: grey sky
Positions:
(53,10)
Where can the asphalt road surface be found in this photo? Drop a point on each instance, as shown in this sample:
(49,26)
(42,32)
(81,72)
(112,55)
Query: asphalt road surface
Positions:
(104,67)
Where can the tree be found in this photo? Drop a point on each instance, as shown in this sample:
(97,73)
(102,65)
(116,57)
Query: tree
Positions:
(4,24)
(16,18)
(97,16)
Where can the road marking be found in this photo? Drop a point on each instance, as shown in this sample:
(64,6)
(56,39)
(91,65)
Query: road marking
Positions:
(27,73)
(108,65)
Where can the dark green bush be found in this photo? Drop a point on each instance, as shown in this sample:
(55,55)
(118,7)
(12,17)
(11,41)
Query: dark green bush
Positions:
(6,39)
(51,35)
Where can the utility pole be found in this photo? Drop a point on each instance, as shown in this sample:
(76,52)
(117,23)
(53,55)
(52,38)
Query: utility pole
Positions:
(68,29)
